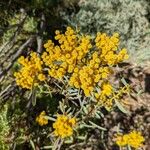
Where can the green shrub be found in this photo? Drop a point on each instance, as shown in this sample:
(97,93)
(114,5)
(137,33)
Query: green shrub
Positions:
(4,129)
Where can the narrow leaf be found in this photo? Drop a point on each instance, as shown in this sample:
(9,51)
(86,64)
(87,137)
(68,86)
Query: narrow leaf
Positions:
(33,96)
(129,148)
(121,108)
(97,126)
(47,147)
(124,81)
(50,118)
(32,144)
(140,92)
(85,110)
(81,137)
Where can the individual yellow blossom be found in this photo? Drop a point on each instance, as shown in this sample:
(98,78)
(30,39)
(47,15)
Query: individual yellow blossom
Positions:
(41,120)
(41,77)
(64,126)
(30,72)
(133,139)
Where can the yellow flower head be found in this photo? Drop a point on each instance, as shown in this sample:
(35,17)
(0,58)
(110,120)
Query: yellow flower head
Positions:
(30,72)
(133,139)
(64,126)
(41,120)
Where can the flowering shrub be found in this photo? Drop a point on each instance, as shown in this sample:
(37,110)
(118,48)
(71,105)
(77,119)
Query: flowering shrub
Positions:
(80,68)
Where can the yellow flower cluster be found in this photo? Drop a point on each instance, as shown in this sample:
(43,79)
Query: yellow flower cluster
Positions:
(64,126)
(41,120)
(88,76)
(108,47)
(30,72)
(63,58)
(133,139)
(87,64)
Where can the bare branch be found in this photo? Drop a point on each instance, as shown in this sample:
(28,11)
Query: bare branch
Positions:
(15,57)
(8,92)
(40,34)
(8,45)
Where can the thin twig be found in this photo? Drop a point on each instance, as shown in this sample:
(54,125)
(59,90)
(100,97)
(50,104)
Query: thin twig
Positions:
(15,57)
(12,39)
(8,92)
(40,34)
